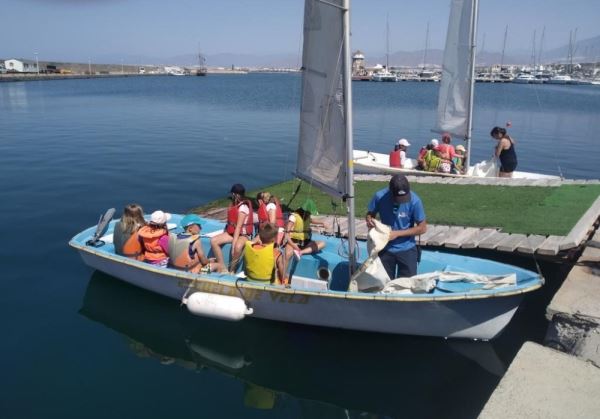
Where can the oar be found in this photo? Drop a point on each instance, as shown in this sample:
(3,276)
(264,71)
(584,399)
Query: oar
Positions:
(101,228)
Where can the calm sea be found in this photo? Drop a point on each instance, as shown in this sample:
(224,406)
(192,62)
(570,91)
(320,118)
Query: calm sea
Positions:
(80,344)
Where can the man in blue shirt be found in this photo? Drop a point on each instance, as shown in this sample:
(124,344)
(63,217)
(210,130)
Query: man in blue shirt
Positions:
(403,211)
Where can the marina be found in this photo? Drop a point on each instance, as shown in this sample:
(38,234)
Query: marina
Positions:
(502,318)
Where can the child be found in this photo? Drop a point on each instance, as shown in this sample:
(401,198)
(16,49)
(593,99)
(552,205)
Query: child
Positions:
(125,234)
(185,249)
(262,258)
(155,239)
(300,235)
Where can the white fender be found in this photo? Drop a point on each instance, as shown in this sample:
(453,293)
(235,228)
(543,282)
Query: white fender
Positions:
(217,306)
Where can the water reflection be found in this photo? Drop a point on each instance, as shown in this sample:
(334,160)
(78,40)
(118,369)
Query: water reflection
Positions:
(345,373)
(13,95)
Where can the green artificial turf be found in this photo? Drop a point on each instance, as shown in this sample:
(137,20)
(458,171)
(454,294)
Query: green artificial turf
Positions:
(526,209)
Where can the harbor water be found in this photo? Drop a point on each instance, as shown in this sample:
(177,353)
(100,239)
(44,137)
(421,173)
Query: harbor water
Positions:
(78,343)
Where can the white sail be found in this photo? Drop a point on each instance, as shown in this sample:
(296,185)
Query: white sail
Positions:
(453,99)
(322,145)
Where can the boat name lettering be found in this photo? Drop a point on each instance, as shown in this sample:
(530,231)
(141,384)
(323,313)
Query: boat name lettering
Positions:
(289,298)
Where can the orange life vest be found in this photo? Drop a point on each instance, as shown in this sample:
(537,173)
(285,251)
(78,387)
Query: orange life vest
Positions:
(263,215)
(179,252)
(232,216)
(150,237)
(129,246)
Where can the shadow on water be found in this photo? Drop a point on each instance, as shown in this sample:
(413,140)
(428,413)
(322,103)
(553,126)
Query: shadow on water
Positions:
(320,368)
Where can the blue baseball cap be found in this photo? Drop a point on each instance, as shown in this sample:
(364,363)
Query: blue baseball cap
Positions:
(190,219)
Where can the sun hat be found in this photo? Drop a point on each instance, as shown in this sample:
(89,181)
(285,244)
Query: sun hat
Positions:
(460,147)
(159,217)
(404,142)
(310,206)
(400,188)
(434,142)
(190,219)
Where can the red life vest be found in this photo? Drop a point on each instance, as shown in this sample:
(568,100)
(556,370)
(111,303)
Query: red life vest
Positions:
(263,215)
(395,159)
(150,238)
(232,216)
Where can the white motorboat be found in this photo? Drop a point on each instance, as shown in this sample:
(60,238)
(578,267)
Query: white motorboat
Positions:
(525,78)
(559,79)
(384,75)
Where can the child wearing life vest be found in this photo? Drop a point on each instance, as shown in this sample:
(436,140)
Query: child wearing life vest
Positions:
(269,211)
(126,232)
(262,259)
(299,235)
(238,230)
(155,239)
(185,249)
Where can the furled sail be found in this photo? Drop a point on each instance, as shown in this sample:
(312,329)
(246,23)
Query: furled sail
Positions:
(453,99)
(322,145)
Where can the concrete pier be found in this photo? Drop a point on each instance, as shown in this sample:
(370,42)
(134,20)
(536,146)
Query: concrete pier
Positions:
(562,378)
(545,383)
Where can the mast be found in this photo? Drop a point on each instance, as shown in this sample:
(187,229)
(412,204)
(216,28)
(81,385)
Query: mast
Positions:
(426,47)
(387,42)
(472,38)
(347,83)
(541,49)
(503,48)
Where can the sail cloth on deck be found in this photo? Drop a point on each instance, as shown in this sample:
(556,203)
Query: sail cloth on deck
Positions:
(453,99)
(322,145)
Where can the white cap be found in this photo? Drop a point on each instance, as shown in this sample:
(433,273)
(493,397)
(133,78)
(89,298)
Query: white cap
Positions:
(159,217)
(434,142)
(404,142)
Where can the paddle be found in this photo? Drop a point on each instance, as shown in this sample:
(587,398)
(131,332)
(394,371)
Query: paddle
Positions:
(101,228)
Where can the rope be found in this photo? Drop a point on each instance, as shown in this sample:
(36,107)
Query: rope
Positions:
(554,149)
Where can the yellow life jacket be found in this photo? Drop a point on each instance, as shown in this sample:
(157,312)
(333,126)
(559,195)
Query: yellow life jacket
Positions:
(301,229)
(259,262)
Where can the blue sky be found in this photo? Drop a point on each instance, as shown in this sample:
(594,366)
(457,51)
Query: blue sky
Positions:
(78,29)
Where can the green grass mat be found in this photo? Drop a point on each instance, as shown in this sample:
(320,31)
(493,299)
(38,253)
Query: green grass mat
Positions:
(526,209)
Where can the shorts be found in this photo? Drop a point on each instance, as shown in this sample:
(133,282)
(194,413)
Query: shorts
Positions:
(302,244)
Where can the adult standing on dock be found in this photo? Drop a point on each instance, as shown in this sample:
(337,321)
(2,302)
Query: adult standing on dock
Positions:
(505,152)
(403,211)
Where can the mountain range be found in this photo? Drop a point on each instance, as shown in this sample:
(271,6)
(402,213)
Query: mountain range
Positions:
(587,50)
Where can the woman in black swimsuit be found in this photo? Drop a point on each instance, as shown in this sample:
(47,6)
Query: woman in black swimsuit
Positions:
(505,152)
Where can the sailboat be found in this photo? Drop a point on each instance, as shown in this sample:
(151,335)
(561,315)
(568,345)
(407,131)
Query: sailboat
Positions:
(156,330)
(319,294)
(385,74)
(455,101)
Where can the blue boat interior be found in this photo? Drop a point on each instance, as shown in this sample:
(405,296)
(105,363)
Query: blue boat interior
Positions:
(332,262)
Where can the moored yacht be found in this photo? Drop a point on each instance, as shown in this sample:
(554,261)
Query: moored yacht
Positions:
(524,78)
(560,79)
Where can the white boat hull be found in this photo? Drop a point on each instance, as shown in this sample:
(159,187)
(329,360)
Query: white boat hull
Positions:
(367,162)
(482,318)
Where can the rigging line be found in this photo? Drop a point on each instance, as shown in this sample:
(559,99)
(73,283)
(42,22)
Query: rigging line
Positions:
(554,149)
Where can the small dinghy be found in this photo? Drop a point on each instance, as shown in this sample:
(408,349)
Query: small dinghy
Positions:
(319,291)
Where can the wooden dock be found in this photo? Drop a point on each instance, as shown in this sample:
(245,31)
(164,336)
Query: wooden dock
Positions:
(458,237)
